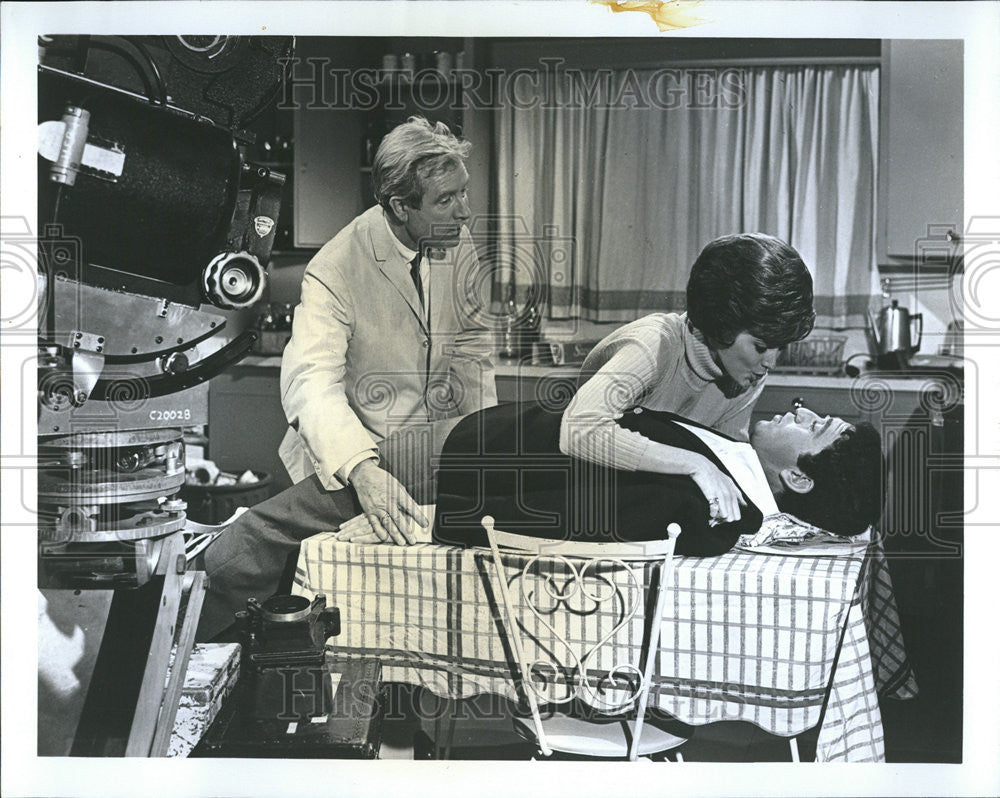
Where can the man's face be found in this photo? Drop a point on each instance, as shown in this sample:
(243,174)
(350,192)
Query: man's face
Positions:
(442,212)
(747,360)
(780,441)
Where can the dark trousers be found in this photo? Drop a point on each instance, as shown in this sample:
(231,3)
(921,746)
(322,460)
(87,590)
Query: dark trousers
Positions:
(256,554)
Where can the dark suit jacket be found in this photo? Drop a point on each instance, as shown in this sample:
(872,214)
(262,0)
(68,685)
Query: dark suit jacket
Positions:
(505,461)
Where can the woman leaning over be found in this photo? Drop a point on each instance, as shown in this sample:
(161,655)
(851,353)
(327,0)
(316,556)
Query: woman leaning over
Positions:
(747,296)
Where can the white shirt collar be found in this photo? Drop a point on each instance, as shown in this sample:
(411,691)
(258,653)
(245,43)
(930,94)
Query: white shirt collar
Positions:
(407,253)
(743,465)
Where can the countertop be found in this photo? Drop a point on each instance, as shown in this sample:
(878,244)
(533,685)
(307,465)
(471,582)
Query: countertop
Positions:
(894,381)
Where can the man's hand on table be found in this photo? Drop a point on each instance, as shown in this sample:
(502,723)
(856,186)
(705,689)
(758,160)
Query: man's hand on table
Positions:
(359,530)
(388,511)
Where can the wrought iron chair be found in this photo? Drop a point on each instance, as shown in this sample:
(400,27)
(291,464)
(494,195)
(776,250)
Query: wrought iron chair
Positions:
(601,580)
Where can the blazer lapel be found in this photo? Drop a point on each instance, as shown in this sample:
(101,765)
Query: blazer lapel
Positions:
(663,427)
(395,267)
(666,414)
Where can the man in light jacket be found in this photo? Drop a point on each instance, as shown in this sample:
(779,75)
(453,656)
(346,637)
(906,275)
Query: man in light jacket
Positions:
(386,339)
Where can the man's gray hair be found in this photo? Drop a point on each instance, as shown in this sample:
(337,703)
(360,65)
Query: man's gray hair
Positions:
(411,153)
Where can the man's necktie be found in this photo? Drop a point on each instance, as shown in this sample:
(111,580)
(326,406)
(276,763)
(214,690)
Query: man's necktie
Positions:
(415,274)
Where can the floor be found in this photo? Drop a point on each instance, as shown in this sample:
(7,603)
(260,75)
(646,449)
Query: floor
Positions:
(928,728)
(484,731)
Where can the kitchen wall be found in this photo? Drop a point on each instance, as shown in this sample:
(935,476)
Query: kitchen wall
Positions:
(937,298)
(932,295)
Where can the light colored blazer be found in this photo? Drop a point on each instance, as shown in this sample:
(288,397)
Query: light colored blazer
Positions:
(361,362)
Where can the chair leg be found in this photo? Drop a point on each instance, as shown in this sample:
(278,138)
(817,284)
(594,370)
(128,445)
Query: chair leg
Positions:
(444,737)
(437,737)
(793,745)
(450,735)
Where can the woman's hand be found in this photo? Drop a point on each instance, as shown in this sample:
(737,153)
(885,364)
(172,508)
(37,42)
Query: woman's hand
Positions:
(724,498)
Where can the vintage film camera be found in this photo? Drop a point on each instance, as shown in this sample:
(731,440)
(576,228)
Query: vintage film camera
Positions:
(154,226)
(152,222)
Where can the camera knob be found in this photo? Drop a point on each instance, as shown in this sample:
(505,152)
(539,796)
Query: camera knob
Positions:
(233,280)
(177,363)
(174,506)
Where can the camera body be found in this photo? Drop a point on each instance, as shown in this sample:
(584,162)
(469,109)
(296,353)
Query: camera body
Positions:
(286,630)
(294,699)
(284,642)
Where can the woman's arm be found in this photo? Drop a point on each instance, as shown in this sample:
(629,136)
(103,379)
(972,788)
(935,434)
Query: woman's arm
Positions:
(589,430)
(663,459)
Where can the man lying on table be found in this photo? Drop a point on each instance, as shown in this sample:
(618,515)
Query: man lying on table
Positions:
(506,462)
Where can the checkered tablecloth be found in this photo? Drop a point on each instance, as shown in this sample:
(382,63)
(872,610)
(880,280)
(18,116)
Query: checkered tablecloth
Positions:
(745,636)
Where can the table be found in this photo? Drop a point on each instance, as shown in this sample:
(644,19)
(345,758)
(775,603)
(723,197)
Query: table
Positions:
(746,636)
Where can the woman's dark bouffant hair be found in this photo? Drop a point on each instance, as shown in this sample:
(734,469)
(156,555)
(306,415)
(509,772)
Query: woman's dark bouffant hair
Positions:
(847,489)
(750,282)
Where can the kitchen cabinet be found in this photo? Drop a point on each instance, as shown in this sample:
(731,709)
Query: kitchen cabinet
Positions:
(327,129)
(920,177)
(246,422)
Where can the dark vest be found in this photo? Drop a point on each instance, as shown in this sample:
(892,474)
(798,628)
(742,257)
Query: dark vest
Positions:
(505,461)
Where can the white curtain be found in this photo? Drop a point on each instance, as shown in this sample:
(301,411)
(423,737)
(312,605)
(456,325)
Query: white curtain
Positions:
(617,200)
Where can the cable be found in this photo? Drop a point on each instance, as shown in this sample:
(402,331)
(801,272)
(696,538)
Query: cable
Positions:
(854,371)
(105,43)
(160,85)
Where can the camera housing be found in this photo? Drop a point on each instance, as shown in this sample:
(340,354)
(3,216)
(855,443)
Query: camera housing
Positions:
(284,642)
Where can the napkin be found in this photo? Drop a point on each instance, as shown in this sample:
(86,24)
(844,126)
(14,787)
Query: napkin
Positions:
(783,533)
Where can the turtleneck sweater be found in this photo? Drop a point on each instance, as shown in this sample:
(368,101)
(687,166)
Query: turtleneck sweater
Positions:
(659,362)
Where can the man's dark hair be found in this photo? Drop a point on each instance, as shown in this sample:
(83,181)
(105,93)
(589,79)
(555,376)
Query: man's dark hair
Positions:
(750,282)
(847,489)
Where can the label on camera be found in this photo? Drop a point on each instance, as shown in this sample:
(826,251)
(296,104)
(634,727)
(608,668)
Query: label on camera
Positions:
(263,225)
